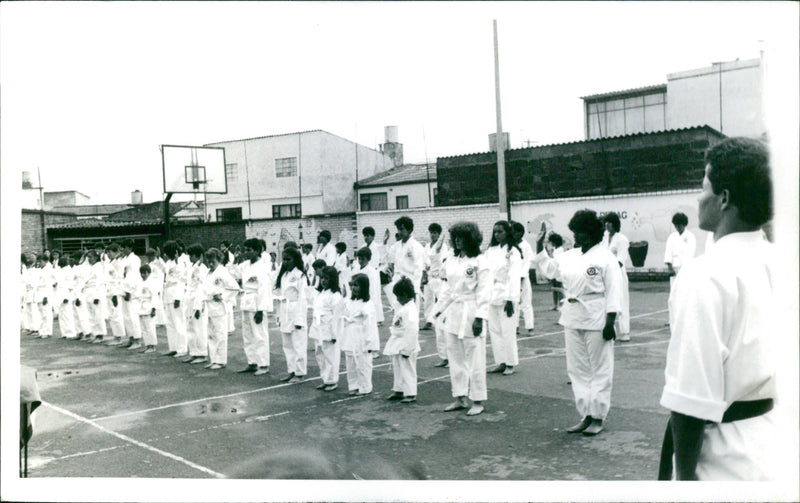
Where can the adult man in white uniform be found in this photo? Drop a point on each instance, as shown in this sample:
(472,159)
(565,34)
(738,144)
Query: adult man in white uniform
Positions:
(680,248)
(409,259)
(325,250)
(526,291)
(436,252)
(724,311)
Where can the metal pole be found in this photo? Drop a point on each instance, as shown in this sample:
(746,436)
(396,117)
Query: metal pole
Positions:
(499,141)
(44,236)
(299,172)
(166,216)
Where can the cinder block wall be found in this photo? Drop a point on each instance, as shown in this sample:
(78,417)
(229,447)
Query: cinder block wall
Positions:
(31,228)
(210,234)
(276,232)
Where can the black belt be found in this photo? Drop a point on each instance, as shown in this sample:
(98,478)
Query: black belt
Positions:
(737,411)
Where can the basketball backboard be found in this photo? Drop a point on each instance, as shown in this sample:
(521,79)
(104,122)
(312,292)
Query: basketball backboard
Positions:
(194,169)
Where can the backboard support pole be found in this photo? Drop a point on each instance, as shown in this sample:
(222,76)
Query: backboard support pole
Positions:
(166,217)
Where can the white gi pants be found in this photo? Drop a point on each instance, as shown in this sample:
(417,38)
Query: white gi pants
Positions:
(590,366)
(96,321)
(218,339)
(503,335)
(147,325)
(295,347)
(197,333)
(82,315)
(130,317)
(359,371)
(175,319)
(622,324)
(526,303)
(29,316)
(405,374)
(467,358)
(432,290)
(116,321)
(328,358)
(255,340)
(66,320)
(46,315)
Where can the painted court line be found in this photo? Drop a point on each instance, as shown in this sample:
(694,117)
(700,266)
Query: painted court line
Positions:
(134,441)
(269,388)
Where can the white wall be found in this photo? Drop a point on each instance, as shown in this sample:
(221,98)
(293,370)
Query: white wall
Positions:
(643,217)
(417,194)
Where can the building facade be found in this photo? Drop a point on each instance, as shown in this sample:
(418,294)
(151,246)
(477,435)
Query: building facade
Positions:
(726,96)
(404,187)
(290,175)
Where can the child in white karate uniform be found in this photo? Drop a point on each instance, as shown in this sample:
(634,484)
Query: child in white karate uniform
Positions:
(94,294)
(292,285)
(257,279)
(328,304)
(197,326)
(175,278)
(403,344)
(148,298)
(359,336)
(342,266)
(44,295)
(363,265)
(219,290)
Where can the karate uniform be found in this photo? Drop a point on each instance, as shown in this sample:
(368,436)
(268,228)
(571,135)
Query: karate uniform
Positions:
(130,284)
(359,337)
(158,271)
(619,244)
(592,283)
(148,298)
(293,312)
(257,282)
(113,281)
(374,288)
(196,329)
(94,289)
(220,283)
(403,347)
(82,311)
(175,279)
(44,290)
(465,298)
(65,292)
(725,319)
(526,290)
(504,266)
(344,273)
(328,306)
(409,262)
(679,250)
(435,263)
(328,254)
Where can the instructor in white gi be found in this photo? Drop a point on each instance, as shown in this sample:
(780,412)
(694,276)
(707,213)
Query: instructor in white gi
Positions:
(724,311)
(592,285)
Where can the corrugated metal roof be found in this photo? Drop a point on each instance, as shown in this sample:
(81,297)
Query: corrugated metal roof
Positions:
(144,214)
(92,209)
(635,90)
(402,174)
(594,140)
(92,224)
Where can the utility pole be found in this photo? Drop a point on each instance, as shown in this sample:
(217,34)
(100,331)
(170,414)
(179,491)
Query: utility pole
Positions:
(500,140)
(41,204)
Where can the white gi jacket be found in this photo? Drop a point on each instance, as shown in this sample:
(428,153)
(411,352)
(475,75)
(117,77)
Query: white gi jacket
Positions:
(377,254)
(293,308)
(505,267)
(618,245)
(328,308)
(148,295)
(592,284)
(44,284)
(404,332)
(328,254)
(680,248)
(194,289)
(257,282)
(359,328)
(726,330)
(409,261)
(94,286)
(175,279)
(434,261)
(466,295)
(219,282)
(527,257)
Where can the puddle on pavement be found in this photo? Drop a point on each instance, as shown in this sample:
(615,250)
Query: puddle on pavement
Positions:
(216,409)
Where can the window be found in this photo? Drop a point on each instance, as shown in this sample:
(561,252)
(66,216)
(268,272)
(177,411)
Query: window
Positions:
(402,202)
(285,210)
(232,172)
(229,214)
(286,167)
(374,202)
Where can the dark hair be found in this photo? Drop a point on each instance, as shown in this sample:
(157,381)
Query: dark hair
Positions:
(263,244)
(318,263)
(340,247)
(680,219)
(741,166)
(150,253)
(297,263)
(325,234)
(405,223)
(113,247)
(471,236)
(510,241)
(614,219)
(145,268)
(556,239)
(518,227)
(290,244)
(307,247)
(196,249)
(363,286)
(170,249)
(333,279)
(127,243)
(63,261)
(253,244)
(405,288)
(434,227)
(364,252)
(586,221)
(368,231)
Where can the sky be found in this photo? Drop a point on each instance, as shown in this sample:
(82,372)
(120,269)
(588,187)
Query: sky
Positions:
(90,90)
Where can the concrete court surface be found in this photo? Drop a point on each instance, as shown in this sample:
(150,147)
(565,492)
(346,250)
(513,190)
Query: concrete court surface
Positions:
(110,412)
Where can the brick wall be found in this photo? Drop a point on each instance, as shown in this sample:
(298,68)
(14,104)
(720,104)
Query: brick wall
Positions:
(31,228)
(278,231)
(485,215)
(208,234)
